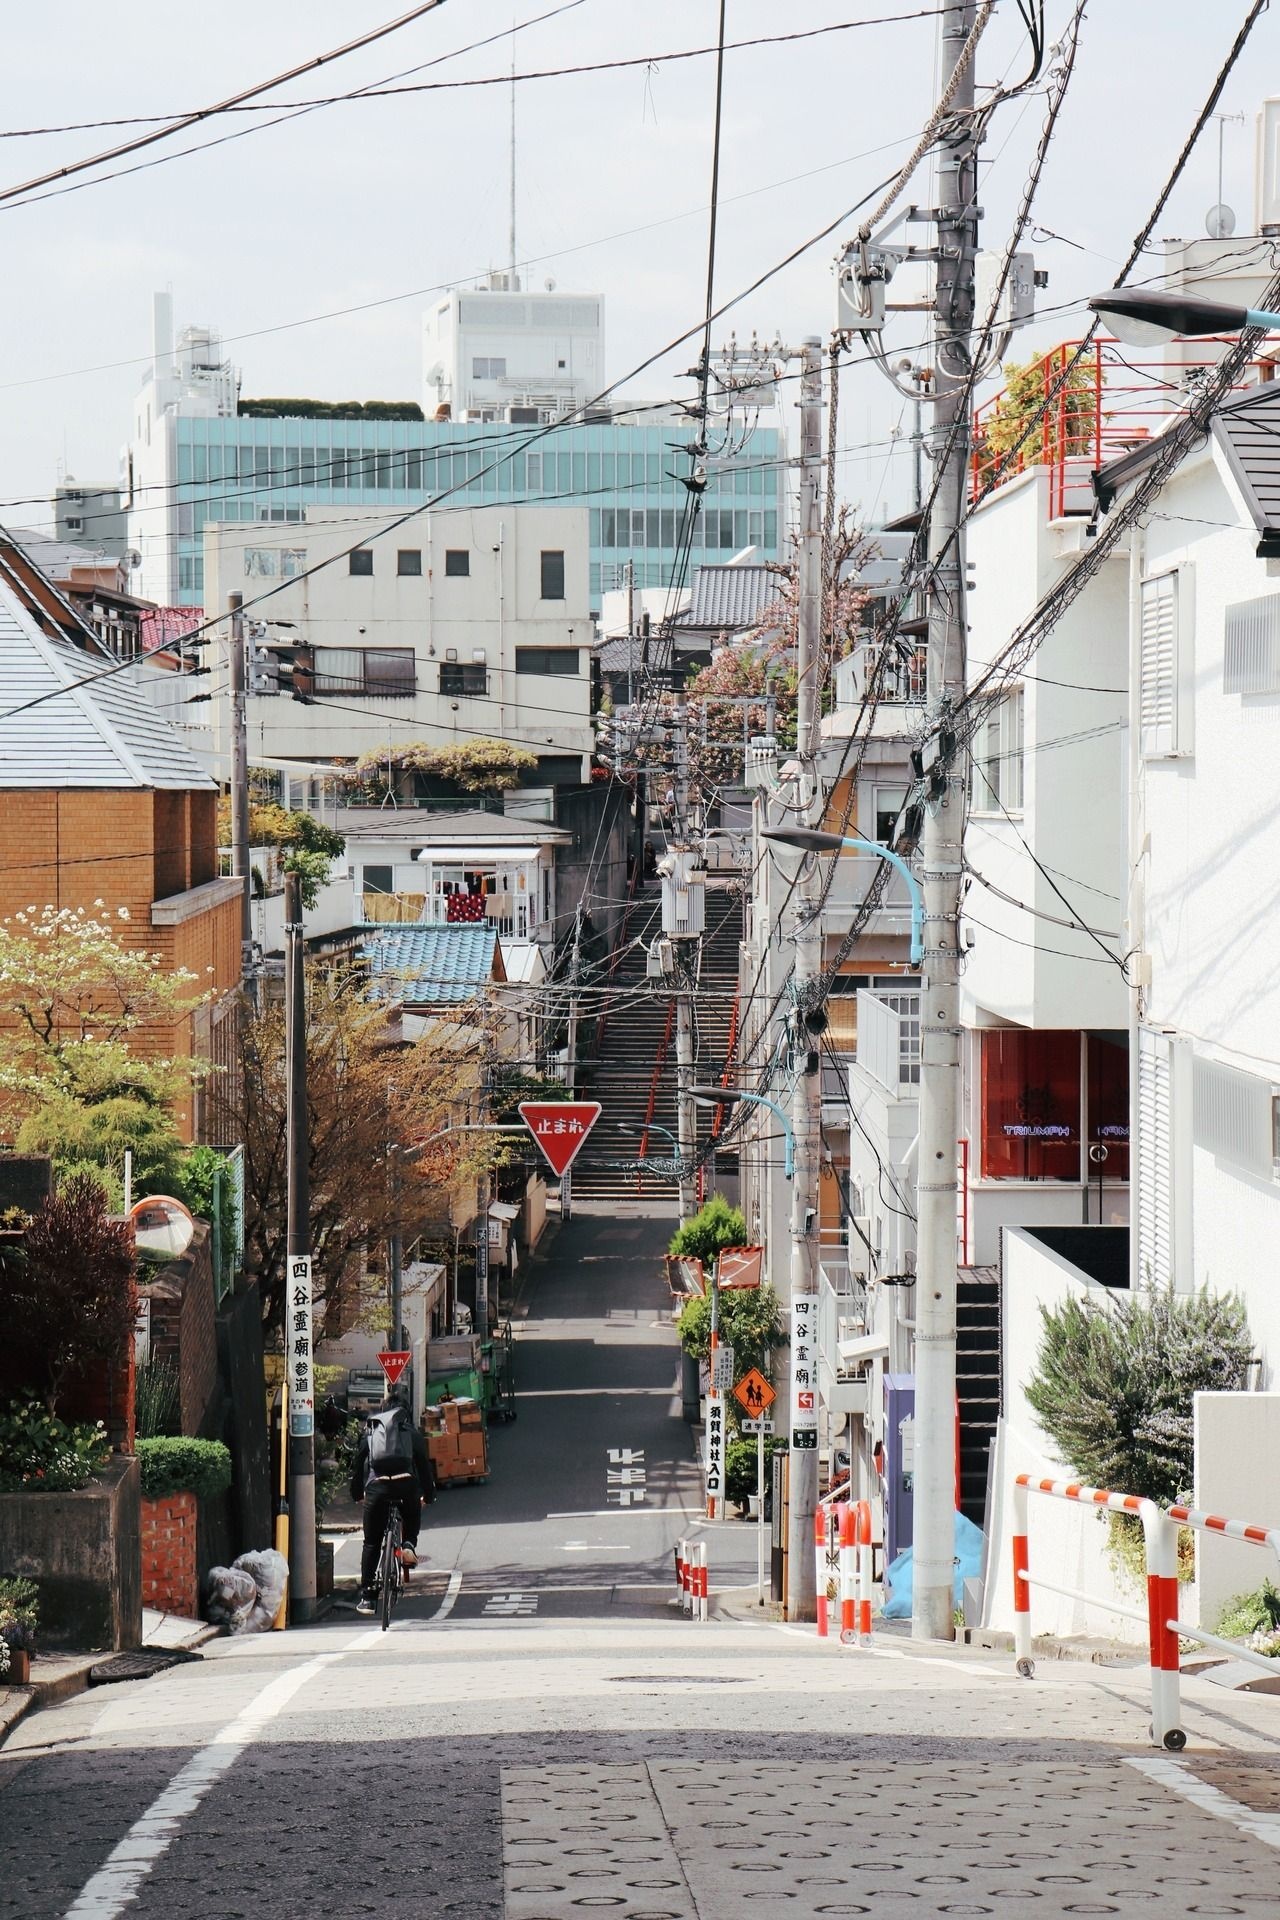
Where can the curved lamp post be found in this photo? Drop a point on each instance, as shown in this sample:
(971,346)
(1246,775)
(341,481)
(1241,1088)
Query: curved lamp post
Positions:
(1142,318)
(729,1096)
(814,840)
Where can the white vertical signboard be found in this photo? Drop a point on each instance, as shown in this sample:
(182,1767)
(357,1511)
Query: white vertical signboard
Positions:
(302,1389)
(715,1447)
(804,1371)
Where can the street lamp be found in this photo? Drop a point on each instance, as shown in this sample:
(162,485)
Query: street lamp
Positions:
(1144,319)
(814,840)
(650,1126)
(726,1096)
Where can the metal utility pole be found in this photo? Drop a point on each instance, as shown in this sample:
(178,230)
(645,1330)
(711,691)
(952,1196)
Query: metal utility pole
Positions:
(686,1111)
(298,1331)
(240,784)
(806,1106)
(956,220)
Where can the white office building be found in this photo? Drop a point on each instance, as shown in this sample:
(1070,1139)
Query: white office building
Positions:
(500,351)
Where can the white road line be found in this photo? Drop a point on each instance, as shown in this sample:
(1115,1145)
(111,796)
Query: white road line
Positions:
(118,1881)
(648,1512)
(1174,1775)
(445,1608)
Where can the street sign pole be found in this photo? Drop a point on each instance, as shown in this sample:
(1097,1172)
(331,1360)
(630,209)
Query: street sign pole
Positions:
(760,1516)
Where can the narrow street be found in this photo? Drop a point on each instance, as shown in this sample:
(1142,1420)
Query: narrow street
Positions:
(541,1735)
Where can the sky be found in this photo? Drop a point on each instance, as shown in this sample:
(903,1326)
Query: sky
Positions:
(378,204)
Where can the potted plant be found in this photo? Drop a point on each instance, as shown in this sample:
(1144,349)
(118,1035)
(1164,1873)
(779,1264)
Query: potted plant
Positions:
(19,1613)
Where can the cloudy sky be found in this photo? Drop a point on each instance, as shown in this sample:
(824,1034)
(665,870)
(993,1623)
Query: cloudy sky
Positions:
(314,243)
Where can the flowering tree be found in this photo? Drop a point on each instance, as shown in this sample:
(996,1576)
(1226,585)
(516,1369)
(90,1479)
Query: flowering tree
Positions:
(73,999)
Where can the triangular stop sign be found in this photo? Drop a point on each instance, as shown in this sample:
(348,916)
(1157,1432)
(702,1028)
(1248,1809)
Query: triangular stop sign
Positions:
(393,1365)
(559,1127)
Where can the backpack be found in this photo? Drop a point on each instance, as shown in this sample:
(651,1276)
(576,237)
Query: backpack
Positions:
(390,1438)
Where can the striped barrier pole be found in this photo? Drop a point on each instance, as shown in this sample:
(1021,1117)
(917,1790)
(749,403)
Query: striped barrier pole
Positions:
(702,1587)
(824,1522)
(682,1575)
(864,1572)
(1021,1582)
(848,1575)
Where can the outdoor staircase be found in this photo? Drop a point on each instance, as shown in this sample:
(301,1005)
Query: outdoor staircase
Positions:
(977,1381)
(633,1074)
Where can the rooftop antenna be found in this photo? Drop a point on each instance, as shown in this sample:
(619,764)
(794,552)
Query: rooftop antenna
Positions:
(1220,221)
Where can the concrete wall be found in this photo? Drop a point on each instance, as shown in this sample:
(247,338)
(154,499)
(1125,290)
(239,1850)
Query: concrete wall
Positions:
(1237,1476)
(1068,1543)
(84,1549)
(594,868)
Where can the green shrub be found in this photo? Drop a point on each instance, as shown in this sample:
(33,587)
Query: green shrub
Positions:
(750,1322)
(41,1454)
(181,1465)
(715,1225)
(740,1468)
(157,1401)
(1249,1613)
(19,1615)
(198,1172)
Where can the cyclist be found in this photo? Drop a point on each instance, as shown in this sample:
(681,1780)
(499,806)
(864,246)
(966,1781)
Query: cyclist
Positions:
(391,1463)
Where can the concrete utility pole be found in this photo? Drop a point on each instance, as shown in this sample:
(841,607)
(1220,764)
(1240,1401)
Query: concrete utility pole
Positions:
(806,1107)
(686,966)
(941,853)
(240,784)
(302,1445)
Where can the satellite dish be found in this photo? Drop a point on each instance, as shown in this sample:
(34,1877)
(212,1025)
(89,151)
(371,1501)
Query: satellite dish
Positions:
(550,285)
(1220,222)
(161,1225)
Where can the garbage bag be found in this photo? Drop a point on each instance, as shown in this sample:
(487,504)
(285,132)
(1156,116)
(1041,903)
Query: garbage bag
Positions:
(269,1571)
(230,1596)
(897,1605)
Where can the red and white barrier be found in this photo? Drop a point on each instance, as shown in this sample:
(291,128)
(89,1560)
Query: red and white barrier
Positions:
(1160,1531)
(692,1578)
(826,1553)
(855,1574)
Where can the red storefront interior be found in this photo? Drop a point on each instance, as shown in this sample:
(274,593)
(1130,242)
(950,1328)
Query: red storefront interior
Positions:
(1044,1093)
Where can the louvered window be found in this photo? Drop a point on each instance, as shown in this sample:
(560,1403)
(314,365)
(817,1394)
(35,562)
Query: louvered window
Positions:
(1251,646)
(1233,1115)
(1159,666)
(1155,1159)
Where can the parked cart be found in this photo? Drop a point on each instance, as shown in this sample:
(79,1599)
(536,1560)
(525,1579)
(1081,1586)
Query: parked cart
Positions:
(497,1362)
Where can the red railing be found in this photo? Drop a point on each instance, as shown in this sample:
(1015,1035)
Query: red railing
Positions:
(1112,403)
(653,1089)
(717,1119)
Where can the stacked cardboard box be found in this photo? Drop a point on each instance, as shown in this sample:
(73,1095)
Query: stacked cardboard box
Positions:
(456,1440)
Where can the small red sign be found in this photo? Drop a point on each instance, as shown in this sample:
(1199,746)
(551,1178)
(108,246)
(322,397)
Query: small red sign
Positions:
(804,1402)
(560,1127)
(393,1365)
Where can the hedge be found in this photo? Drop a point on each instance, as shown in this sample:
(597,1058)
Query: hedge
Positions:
(181,1465)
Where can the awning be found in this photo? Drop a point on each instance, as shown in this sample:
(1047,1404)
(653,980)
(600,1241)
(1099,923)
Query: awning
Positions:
(503,1210)
(486,853)
(863,1347)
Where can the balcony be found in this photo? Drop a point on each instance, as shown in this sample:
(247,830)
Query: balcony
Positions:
(842,1316)
(889,1039)
(855,875)
(899,689)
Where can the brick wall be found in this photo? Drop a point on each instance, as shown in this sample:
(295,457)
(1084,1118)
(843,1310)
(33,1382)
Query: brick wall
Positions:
(170,1580)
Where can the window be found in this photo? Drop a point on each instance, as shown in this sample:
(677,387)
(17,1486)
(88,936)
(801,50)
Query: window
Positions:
(997,778)
(409,563)
(360,562)
(488,369)
(1030,1105)
(553,660)
(889,804)
(377,880)
(1164,708)
(553,576)
(74,526)
(457,563)
(462,677)
(1251,645)
(385,672)
(1107,1070)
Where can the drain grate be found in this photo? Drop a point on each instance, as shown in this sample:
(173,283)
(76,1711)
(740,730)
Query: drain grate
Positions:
(139,1665)
(678,1679)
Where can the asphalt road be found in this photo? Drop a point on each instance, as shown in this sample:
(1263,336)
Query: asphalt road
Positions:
(582,1750)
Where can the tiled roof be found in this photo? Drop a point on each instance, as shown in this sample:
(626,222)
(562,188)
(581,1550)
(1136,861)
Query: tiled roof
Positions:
(427,826)
(1245,427)
(434,966)
(731,598)
(101,732)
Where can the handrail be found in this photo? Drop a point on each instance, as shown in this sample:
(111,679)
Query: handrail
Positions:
(717,1118)
(619,948)
(663,1048)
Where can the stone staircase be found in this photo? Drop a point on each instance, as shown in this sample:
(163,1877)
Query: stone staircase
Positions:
(977,1381)
(633,1073)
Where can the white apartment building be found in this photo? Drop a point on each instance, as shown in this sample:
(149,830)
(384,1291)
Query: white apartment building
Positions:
(500,351)
(460,623)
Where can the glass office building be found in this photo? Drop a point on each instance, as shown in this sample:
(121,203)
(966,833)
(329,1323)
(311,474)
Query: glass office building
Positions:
(630,477)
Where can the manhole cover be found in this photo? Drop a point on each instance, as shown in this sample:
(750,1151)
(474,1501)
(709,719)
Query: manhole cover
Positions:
(140,1664)
(678,1679)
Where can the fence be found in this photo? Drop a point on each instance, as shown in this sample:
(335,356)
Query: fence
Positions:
(1164,1629)
(843,1553)
(692,1578)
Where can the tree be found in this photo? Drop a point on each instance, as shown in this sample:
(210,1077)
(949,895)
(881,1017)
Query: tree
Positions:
(1066,427)
(750,1322)
(716,1224)
(75,996)
(477,765)
(68,1295)
(366,1095)
(1115,1381)
(310,847)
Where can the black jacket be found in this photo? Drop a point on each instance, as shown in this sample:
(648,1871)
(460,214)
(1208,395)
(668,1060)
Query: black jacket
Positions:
(362,1473)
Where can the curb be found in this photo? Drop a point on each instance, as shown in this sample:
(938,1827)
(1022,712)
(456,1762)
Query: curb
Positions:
(17,1702)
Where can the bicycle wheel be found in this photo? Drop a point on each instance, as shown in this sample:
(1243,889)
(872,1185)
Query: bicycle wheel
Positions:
(390,1568)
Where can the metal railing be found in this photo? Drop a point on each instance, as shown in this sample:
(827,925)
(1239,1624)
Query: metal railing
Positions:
(902,681)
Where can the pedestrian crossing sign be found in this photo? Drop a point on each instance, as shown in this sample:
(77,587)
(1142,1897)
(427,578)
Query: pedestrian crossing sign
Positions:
(754,1393)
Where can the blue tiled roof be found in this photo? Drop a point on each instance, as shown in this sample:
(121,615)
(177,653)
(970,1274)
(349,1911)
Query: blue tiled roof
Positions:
(432,966)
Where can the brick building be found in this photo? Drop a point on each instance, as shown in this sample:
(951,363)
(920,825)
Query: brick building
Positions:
(102,801)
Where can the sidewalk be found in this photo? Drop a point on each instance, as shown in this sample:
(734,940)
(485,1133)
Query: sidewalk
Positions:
(56,1677)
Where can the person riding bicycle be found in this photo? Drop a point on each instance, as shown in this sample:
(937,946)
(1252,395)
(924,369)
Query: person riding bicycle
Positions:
(391,1464)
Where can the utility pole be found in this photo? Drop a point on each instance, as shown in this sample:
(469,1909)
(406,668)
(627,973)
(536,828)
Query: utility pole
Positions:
(806,1100)
(571,1067)
(240,785)
(956,221)
(302,1444)
(686,1111)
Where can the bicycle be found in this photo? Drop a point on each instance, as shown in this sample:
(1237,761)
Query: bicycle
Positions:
(390,1565)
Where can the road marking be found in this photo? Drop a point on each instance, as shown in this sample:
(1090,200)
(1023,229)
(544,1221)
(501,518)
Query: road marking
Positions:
(1174,1775)
(510,1605)
(445,1608)
(117,1882)
(588,1546)
(625,1476)
(650,1512)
